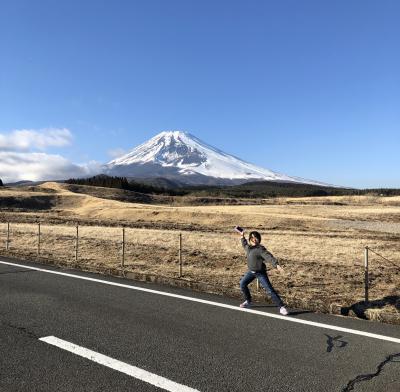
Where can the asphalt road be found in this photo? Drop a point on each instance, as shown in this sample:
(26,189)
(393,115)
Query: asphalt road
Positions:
(206,346)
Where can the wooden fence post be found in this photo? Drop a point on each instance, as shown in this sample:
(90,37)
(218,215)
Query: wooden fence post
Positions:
(180,255)
(366,275)
(123,247)
(38,251)
(8,236)
(77,242)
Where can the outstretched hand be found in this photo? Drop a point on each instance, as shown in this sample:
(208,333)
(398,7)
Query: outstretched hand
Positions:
(279,268)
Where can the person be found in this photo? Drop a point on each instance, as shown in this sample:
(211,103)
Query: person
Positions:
(257,254)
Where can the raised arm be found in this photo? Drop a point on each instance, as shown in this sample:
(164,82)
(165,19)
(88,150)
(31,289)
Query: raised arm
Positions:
(244,243)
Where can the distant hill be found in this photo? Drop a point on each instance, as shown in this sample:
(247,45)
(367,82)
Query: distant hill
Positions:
(29,183)
(268,189)
(159,182)
(253,190)
(181,156)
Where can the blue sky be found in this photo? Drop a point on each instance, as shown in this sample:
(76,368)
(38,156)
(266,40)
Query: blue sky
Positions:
(305,88)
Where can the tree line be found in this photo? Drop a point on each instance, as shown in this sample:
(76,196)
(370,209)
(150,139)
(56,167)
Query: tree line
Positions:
(122,183)
(269,189)
(259,189)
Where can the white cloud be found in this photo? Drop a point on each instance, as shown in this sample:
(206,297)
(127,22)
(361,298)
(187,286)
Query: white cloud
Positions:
(17,166)
(23,156)
(30,139)
(116,152)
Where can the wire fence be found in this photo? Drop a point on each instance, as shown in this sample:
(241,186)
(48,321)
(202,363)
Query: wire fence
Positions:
(367,276)
(205,257)
(141,250)
(385,258)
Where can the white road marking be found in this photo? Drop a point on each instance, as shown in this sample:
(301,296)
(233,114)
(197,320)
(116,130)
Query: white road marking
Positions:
(122,367)
(221,305)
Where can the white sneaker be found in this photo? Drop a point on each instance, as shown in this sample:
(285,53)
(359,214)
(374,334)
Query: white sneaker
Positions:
(245,304)
(283,310)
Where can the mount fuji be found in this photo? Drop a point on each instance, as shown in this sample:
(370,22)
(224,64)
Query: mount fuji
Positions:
(182,157)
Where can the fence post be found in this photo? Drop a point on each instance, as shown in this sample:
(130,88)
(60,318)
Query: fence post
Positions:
(366,277)
(8,236)
(123,247)
(38,251)
(77,242)
(180,255)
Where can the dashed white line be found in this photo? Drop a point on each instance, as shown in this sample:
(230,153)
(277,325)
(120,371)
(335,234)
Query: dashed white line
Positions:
(114,364)
(221,305)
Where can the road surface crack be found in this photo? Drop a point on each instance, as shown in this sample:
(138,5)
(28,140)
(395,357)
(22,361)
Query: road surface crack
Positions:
(22,330)
(367,377)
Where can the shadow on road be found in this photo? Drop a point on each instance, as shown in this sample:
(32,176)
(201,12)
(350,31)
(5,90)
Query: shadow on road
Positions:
(332,340)
(296,312)
(263,306)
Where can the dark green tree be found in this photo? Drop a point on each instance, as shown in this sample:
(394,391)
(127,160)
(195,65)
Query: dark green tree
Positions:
(105,181)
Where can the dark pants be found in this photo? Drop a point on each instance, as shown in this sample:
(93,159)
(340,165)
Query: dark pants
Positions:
(263,279)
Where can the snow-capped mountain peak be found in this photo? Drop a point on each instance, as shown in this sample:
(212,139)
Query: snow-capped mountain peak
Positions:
(167,149)
(173,153)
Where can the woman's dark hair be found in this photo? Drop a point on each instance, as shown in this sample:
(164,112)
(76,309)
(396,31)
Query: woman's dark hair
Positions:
(255,234)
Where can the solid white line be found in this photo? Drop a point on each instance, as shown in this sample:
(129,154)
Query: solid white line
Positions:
(122,367)
(221,305)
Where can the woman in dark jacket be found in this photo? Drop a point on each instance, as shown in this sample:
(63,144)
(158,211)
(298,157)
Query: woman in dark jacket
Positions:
(257,255)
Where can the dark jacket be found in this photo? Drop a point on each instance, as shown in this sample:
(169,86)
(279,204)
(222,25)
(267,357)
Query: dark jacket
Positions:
(256,255)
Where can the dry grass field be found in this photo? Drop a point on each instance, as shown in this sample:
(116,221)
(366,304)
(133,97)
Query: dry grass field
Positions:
(319,241)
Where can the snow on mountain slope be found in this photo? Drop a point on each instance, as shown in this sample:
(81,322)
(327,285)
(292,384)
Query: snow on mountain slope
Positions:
(188,155)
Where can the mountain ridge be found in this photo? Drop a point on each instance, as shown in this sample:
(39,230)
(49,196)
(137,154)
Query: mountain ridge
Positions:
(181,156)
